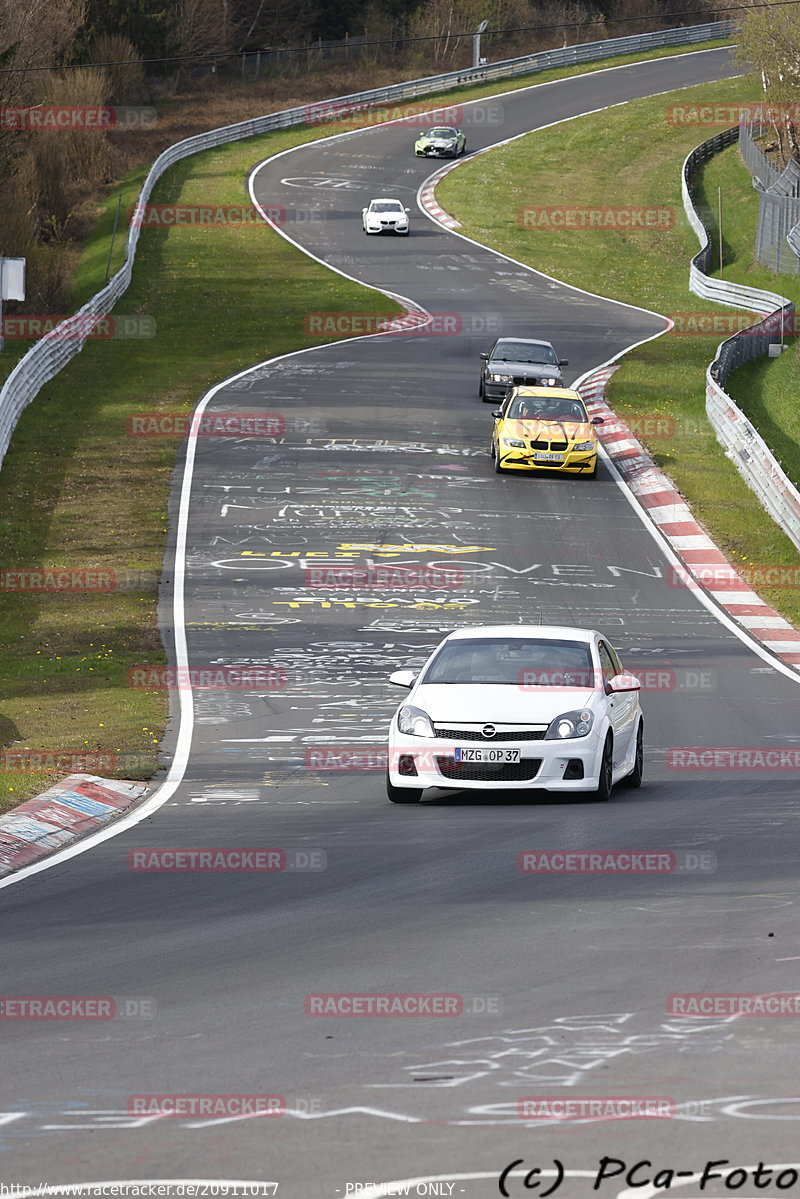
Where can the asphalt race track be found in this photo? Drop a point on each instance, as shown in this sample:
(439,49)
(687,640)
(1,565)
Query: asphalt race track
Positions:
(564,979)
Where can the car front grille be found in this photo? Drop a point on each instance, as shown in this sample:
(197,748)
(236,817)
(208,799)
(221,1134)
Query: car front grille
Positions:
(489,772)
(477,735)
(542,444)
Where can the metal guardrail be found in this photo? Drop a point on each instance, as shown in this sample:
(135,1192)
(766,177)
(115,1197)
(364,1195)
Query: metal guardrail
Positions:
(748,451)
(46,358)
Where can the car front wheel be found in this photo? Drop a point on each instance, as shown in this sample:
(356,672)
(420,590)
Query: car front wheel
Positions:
(402,794)
(634,779)
(603,791)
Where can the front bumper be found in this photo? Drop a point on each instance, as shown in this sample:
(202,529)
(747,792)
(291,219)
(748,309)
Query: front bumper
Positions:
(544,763)
(371,228)
(496,391)
(574,463)
(432,152)
(499,391)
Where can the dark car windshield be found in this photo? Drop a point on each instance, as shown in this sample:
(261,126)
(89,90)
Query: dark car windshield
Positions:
(443,132)
(524,351)
(546,408)
(386,206)
(514,661)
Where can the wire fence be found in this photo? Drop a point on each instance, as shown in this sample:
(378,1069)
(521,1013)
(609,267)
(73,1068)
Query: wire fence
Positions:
(340,50)
(352,48)
(779,203)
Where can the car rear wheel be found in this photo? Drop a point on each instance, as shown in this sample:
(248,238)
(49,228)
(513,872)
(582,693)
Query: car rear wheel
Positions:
(402,794)
(634,779)
(604,784)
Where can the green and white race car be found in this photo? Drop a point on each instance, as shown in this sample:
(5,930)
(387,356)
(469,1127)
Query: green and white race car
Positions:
(442,142)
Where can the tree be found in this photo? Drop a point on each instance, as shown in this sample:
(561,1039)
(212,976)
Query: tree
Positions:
(146,23)
(770,41)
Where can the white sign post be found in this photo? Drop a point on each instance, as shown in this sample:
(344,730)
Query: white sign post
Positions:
(12,284)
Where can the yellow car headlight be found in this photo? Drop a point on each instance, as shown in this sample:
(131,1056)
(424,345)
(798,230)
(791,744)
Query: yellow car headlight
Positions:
(582,446)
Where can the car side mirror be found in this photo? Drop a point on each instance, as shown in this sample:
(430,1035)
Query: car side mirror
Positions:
(408,210)
(402,678)
(498,412)
(484,357)
(623,682)
(598,420)
(563,362)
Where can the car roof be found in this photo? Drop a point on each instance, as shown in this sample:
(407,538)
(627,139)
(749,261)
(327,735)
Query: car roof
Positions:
(561,392)
(525,341)
(548,632)
(386,200)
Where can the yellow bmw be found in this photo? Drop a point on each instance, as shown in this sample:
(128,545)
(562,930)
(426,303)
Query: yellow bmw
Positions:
(544,428)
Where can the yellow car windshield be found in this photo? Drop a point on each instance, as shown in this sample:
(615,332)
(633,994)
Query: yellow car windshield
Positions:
(554,408)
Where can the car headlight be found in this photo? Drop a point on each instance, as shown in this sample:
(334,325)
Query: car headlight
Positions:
(414,722)
(584,445)
(570,724)
(549,382)
(501,378)
(515,442)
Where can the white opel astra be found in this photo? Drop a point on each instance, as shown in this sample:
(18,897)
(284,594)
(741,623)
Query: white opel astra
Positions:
(517,707)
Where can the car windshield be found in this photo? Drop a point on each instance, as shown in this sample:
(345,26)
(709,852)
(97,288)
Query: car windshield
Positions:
(443,132)
(514,662)
(386,206)
(546,408)
(524,351)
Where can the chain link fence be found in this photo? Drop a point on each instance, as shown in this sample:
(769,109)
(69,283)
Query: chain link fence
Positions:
(313,54)
(779,203)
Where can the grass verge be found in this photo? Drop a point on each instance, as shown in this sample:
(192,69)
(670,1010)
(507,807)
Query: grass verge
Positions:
(631,156)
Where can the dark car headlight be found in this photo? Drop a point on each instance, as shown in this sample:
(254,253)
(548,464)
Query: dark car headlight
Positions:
(570,724)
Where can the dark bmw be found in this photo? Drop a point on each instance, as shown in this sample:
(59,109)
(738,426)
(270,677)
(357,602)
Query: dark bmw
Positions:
(519,362)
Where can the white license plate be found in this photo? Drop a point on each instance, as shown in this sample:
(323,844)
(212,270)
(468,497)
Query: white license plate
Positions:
(485,754)
(541,456)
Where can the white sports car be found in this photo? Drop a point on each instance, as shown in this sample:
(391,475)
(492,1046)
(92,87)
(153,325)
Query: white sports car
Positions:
(385,216)
(517,707)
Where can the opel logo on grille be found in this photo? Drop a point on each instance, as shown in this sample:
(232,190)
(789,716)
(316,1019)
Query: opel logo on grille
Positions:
(489,730)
